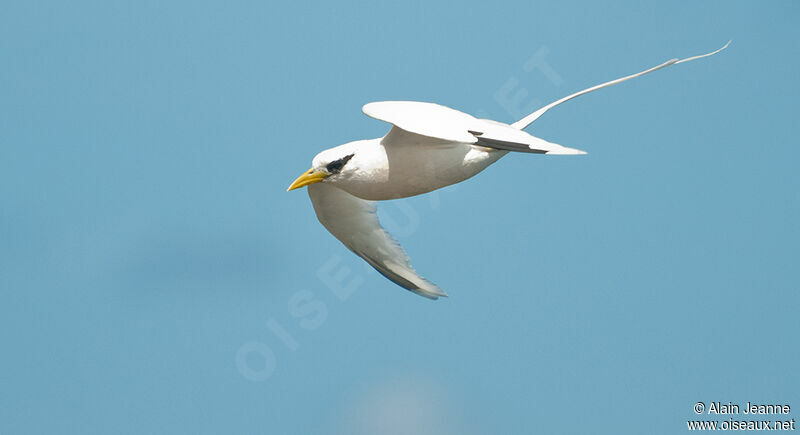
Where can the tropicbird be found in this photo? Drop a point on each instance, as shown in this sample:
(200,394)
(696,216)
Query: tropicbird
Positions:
(429,146)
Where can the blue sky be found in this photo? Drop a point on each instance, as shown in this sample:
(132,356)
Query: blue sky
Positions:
(154,271)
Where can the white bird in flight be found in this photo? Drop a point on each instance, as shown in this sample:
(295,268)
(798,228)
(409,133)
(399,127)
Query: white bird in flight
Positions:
(428,147)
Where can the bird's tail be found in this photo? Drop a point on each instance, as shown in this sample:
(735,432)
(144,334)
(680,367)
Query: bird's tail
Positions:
(526,121)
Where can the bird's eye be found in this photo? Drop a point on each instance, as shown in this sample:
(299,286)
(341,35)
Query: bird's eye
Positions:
(336,166)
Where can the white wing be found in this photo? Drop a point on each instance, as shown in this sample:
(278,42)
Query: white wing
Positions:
(526,121)
(355,223)
(427,119)
(445,124)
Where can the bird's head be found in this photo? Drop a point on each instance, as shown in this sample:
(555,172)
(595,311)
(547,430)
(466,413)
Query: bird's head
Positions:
(330,166)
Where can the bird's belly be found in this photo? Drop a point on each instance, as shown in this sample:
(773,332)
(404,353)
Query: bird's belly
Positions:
(417,170)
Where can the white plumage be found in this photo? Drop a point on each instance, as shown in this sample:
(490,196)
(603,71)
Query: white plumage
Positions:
(428,147)
(355,223)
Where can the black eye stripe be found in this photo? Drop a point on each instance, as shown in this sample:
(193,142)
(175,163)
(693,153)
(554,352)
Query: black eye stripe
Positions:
(336,166)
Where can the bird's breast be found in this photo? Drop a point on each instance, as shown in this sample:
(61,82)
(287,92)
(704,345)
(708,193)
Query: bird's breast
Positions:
(400,172)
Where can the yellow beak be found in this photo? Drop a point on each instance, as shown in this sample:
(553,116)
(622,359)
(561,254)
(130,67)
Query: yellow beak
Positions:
(308,177)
